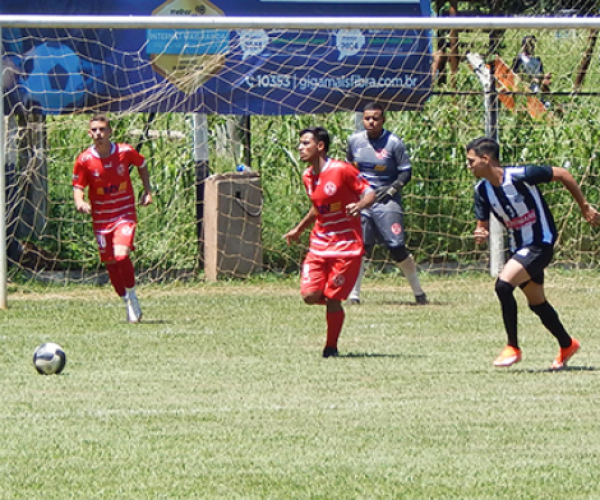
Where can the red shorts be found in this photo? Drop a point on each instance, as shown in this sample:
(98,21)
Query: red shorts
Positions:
(123,234)
(335,277)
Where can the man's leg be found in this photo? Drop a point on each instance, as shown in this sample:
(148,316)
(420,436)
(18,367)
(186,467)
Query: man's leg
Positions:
(341,273)
(389,223)
(406,263)
(549,317)
(354,297)
(335,321)
(368,229)
(123,243)
(513,274)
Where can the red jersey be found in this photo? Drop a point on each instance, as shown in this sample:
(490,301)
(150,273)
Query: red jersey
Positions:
(110,191)
(335,233)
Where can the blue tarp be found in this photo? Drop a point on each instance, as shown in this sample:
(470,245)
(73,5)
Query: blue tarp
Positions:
(259,71)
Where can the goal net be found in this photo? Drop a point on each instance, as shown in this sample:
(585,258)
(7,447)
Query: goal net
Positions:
(201,102)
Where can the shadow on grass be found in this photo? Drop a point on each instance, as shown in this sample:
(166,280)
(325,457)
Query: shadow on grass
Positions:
(409,303)
(565,369)
(376,355)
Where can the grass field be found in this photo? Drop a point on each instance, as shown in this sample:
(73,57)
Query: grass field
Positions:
(222,394)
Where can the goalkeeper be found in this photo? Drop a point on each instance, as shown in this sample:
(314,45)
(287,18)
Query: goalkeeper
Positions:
(383,160)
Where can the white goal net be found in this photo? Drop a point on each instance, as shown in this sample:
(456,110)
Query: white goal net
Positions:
(200,100)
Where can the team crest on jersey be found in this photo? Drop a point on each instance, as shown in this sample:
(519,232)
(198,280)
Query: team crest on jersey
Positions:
(382,154)
(121,169)
(339,280)
(396,228)
(330,189)
(127,230)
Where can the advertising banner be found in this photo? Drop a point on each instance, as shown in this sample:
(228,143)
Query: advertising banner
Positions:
(247,71)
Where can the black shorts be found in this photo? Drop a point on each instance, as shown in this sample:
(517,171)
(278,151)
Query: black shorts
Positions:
(535,259)
(383,223)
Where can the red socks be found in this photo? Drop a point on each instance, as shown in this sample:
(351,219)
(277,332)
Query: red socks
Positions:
(335,321)
(122,274)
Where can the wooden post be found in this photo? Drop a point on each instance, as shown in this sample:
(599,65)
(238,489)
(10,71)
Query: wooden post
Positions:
(454,57)
(586,60)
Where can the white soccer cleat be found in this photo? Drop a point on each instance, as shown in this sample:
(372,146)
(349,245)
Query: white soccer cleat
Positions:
(134,311)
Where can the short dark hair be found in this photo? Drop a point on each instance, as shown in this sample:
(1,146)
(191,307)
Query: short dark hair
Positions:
(100,117)
(320,135)
(485,146)
(374,106)
(528,40)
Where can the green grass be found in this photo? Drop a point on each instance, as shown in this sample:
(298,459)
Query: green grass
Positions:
(222,393)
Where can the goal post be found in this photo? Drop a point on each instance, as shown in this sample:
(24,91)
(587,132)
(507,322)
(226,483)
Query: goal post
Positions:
(192,127)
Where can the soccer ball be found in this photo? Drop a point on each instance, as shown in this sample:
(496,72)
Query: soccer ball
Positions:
(49,359)
(53,78)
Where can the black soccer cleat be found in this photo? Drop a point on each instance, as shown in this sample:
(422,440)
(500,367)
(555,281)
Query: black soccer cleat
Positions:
(330,352)
(421,300)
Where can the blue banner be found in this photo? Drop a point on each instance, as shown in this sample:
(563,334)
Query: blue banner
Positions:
(247,71)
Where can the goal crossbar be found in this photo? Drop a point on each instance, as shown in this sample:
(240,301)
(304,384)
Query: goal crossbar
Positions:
(239,22)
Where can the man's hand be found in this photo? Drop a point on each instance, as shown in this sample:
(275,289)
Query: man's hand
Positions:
(83,208)
(591,215)
(481,235)
(293,235)
(353,209)
(384,193)
(146,199)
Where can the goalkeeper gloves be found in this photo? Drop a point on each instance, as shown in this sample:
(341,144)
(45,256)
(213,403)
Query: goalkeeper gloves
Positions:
(384,193)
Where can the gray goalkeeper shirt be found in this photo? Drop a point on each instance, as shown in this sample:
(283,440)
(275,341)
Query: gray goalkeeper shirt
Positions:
(381,161)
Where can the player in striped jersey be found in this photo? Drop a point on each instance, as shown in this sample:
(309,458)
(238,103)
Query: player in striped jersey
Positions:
(383,160)
(103,168)
(512,196)
(338,193)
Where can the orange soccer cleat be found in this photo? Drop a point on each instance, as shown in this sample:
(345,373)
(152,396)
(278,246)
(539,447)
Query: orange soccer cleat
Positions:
(565,355)
(508,357)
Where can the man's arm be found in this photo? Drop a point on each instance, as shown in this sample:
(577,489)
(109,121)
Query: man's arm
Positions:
(564,176)
(482,231)
(294,234)
(81,205)
(145,177)
(404,175)
(368,198)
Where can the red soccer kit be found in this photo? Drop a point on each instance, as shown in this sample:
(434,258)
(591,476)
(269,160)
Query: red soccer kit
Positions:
(110,190)
(336,242)
(110,193)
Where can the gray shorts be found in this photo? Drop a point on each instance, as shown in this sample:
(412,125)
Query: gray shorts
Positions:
(383,223)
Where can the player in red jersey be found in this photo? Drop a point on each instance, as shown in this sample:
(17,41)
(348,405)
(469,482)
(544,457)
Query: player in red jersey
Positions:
(338,193)
(104,169)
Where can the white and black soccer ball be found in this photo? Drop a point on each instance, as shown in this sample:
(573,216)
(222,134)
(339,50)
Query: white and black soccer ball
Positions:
(49,359)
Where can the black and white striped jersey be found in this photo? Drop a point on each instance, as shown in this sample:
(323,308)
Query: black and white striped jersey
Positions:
(519,205)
